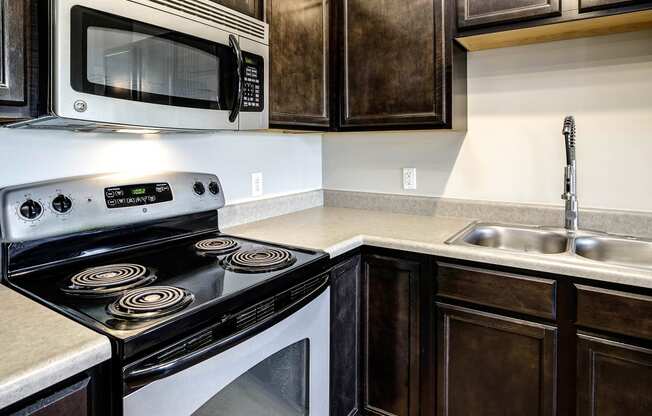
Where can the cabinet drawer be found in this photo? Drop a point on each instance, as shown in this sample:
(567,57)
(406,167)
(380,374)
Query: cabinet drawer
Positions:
(619,312)
(512,292)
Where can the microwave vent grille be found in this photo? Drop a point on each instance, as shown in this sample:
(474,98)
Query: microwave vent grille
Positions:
(211,13)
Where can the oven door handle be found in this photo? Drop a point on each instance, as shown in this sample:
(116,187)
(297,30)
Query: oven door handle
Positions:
(148,373)
(237,52)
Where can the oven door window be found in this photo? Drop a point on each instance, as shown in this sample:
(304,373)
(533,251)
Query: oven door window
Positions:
(115,57)
(277,386)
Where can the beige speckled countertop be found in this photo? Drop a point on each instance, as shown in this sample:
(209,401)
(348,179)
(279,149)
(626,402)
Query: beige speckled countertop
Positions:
(338,230)
(41,347)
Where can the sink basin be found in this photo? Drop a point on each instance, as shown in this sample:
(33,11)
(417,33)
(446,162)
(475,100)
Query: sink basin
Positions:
(619,251)
(514,238)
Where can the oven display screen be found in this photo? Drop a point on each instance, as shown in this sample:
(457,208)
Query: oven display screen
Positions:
(135,195)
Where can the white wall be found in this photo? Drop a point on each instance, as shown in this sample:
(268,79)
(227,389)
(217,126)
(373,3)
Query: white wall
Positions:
(513,150)
(290,163)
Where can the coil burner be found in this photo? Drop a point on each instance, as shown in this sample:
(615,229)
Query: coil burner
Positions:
(151,302)
(260,260)
(109,280)
(217,246)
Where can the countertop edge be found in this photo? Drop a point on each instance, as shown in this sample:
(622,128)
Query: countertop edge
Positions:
(32,380)
(548,263)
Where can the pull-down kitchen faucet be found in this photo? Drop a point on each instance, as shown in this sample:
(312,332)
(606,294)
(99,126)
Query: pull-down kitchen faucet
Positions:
(571,220)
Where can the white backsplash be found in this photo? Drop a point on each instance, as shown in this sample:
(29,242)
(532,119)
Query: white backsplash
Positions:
(290,163)
(513,150)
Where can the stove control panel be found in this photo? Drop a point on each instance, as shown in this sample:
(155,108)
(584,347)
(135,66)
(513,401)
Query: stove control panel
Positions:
(65,206)
(134,195)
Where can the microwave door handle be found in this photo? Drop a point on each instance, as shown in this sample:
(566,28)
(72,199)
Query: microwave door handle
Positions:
(141,376)
(237,52)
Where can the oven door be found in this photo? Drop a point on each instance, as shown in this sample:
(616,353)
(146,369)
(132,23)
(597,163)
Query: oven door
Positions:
(281,371)
(109,66)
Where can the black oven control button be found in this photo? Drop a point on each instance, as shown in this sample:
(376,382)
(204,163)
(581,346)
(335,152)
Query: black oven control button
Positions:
(199,188)
(214,188)
(61,204)
(30,209)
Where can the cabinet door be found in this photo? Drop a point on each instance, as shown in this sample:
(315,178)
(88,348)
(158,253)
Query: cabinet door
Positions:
(391,336)
(14,55)
(253,8)
(613,378)
(345,338)
(394,57)
(588,5)
(299,61)
(489,365)
(472,13)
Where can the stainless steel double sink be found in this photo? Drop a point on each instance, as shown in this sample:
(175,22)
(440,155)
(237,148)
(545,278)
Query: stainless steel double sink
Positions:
(595,246)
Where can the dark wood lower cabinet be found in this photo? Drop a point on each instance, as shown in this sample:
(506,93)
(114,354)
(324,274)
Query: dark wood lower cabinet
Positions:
(476,340)
(613,378)
(391,336)
(345,338)
(86,394)
(490,365)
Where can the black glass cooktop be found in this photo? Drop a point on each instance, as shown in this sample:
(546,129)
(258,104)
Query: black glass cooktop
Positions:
(195,276)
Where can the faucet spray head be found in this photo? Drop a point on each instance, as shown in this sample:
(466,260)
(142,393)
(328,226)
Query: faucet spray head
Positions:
(569,134)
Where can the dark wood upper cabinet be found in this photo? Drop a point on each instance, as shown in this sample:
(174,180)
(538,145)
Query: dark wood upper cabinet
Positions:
(613,378)
(253,8)
(398,66)
(489,24)
(473,13)
(17,69)
(489,365)
(299,63)
(391,336)
(588,5)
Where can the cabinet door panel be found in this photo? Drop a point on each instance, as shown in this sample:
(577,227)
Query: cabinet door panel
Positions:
(391,336)
(71,400)
(299,78)
(249,7)
(613,378)
(489,365)
(471,13)
(17,79)
(345,337)
(588,5)
(393,68)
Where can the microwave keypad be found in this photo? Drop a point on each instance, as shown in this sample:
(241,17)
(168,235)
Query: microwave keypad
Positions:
(252,97)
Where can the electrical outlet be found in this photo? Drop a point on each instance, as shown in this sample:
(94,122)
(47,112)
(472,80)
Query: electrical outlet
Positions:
(257,184)
(409,178)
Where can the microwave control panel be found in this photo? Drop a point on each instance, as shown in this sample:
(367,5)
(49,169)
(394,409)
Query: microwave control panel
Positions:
(253,99)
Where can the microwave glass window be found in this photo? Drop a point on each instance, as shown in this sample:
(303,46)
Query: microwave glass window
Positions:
(115,57)
(277,386)
(140,62)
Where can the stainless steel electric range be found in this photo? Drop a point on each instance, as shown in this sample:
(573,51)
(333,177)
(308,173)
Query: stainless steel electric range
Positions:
(201,323)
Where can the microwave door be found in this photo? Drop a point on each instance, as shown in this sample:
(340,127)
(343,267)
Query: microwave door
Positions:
(128,72)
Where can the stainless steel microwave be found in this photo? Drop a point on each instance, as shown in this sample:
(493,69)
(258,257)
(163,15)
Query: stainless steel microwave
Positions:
(167,65)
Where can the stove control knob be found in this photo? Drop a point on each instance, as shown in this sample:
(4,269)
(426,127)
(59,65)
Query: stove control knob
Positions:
(31,209)
(61,204)
(199,188)
(214,188)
